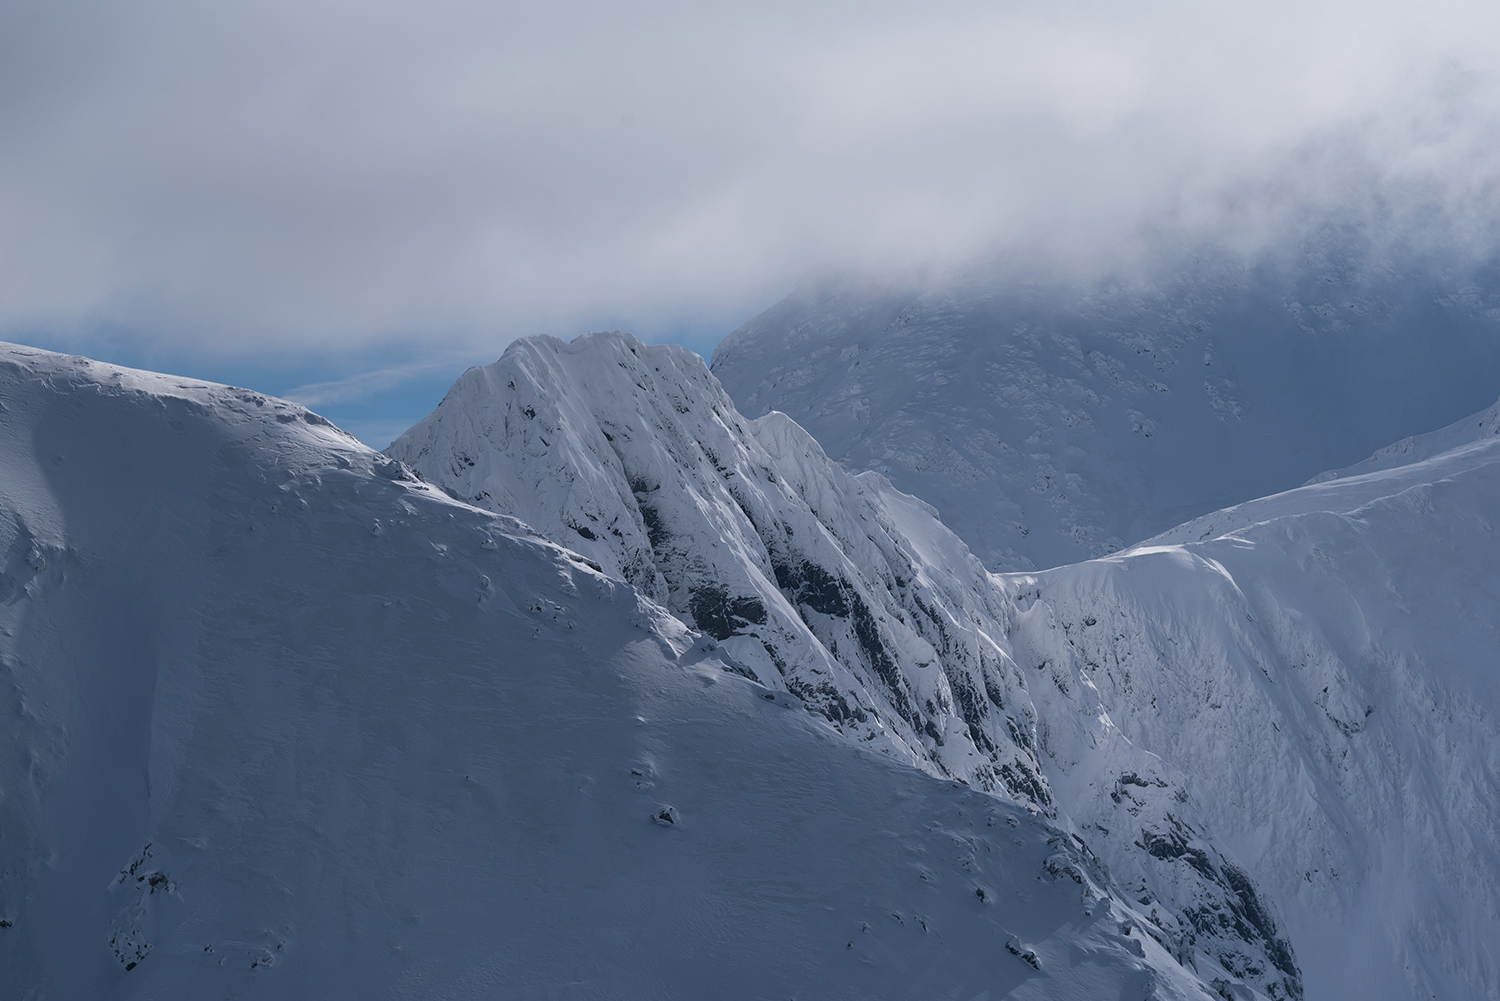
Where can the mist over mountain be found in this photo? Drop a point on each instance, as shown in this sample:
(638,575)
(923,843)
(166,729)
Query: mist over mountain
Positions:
(191,186)
(1076,580)
(593,687)
(1051,421)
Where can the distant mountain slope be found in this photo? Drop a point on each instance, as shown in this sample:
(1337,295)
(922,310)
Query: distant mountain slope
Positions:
(1050,423)
(1416,448)
(284,722)
(843,591)
(1324,665)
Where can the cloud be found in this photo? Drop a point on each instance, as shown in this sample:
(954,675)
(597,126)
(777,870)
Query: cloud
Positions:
(248,177)
(363,386)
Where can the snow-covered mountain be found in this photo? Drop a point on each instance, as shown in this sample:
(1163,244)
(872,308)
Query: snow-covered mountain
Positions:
(832,587)
(844,592)
(720,718)
(283,721)
(1274,724)
(1324,665)
(1050,423)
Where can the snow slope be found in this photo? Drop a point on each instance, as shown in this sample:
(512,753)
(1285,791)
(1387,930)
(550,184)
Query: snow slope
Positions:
(285,722)
(844,592)
(1416,448)
(1050,423)
(1322,664)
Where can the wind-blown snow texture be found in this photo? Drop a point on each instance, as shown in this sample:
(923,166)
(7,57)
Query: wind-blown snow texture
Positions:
(845,592)
(285,722)
(1049,425)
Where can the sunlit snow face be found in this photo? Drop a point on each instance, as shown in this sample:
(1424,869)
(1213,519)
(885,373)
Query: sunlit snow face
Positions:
(284,174)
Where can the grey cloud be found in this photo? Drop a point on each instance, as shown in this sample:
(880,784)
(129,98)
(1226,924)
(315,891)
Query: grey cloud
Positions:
(270,175)
(362,386)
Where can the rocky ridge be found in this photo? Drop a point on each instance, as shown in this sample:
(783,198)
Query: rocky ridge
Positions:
(846,593)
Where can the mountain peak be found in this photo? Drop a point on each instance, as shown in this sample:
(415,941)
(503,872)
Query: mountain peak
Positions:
(845,594)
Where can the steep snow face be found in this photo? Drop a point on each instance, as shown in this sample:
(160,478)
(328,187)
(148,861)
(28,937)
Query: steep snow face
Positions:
(1322,666)
(285,722)
(845,592)
(1049,425)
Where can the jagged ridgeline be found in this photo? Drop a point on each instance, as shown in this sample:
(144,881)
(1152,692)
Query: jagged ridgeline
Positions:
(845,593)
(835,588)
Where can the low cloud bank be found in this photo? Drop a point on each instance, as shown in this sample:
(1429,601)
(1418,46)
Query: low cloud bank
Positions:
(240,178)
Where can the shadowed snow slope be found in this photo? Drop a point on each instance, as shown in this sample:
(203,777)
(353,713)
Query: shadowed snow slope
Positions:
(844,592)
(1324,664)
(284,722)
(1049,425)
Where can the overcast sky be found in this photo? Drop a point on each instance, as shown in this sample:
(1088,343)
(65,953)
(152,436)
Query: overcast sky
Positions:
(348,195)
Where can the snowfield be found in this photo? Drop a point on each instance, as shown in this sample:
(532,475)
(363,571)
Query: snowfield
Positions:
(285,722)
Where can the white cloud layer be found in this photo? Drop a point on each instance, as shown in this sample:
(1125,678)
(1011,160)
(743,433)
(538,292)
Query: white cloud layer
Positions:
(271,175)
